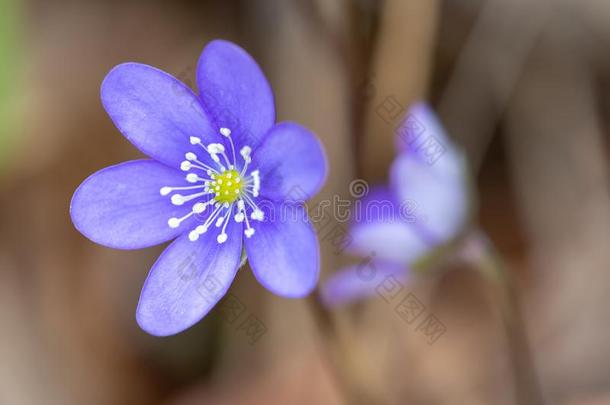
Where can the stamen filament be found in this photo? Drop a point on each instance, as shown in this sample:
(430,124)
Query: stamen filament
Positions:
(230,188)
(166,190)
(179,199)
(222,237)
(228,135)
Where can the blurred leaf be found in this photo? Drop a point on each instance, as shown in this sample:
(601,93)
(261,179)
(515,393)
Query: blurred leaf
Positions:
(10,75)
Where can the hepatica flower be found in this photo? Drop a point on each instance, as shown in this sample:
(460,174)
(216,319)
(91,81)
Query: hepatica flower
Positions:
(220,171)
(426,205)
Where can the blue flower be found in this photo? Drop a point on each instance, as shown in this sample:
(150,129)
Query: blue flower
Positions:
(220,169)
(426,205)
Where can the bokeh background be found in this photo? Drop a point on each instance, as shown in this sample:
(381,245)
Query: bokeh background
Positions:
(522,85)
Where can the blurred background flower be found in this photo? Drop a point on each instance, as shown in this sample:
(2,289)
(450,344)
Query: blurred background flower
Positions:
(425,207)
(521,85)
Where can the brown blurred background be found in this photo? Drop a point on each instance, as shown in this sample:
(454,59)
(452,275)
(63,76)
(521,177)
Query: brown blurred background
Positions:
(523,85)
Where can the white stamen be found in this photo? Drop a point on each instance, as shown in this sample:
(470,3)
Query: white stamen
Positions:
(166,190)
(177,199)
(213,186)
(257,215)
(210,219)
(227,133)
(248,231)
(250,203)
(245,153)
(202,166)
(185,166)
(240,216)
(224,155)
(256,182)
(199,207)
(223,235)
(192,178)
(215,148)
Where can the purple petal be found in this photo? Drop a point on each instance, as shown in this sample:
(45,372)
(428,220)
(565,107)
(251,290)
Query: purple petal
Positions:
(377,205)
(438,196)
(431,175)
(422,133)
(381,227)
(423,137)
(284,252)
(394,241)
(156,112)
(121,207)
(291,162)
(235,92)
(187,280)
(363,280)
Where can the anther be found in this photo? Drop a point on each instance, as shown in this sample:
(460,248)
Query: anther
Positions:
(177,199)
(257,215)
(199,208)
(245,153)
(215,148)
(192,178)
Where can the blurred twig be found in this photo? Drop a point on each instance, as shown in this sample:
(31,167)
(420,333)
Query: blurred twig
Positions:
(560,173)
(487,70)
(483,256)
(401,66)
(341,355)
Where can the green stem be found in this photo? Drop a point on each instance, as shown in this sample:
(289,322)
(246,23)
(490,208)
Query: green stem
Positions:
(340,352)
(481,252)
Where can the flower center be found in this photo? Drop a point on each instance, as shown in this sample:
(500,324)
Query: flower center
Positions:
(228,191)
(227,186)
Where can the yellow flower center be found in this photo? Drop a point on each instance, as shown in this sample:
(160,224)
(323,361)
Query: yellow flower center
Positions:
(227,186)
